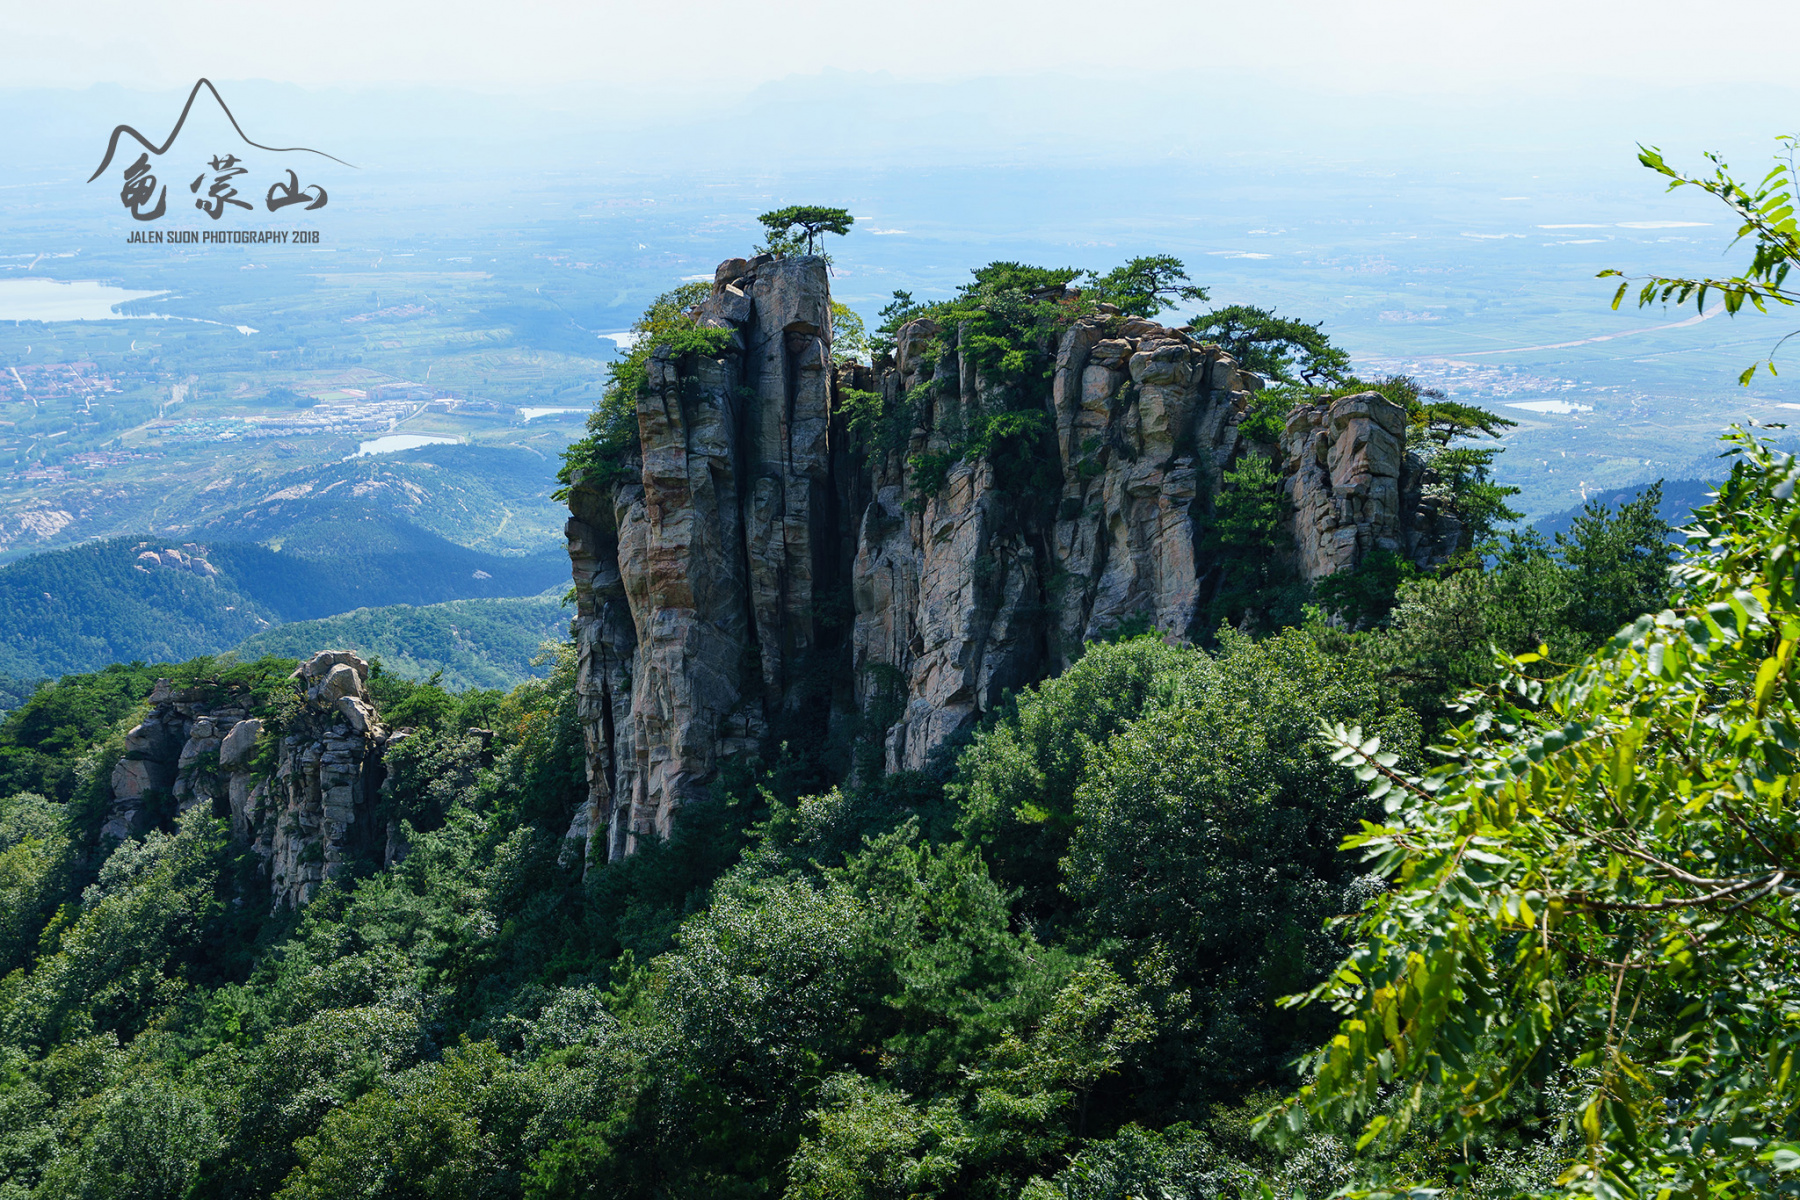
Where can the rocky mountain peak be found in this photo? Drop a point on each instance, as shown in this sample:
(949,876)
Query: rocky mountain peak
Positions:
(765,569)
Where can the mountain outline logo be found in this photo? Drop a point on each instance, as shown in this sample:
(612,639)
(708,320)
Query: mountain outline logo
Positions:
(112,144)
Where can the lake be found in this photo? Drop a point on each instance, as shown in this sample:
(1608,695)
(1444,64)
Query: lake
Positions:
(403,441)
(1564,407)
(38,299)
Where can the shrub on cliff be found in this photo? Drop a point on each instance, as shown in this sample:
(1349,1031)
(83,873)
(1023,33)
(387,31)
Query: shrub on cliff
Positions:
(794,229)
(1280,349)
(612,435)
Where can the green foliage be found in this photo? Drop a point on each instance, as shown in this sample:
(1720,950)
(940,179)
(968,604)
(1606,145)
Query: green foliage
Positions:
(43,742)
(865,413)
(1266,419)
(1621,562)
(849,338)
(14,692)
(1279,348)
(900,309)
(410,703)
(458,1127)
(147,1141)
(666,327)
(38,867)
(1253,582)
(792,230)
(1566,597)
(465,643)
(1015,785)
(1593,888)
(1765,212)
(138,928)
(1011,440)
(1366,595)
(875,1140)
(1204,852)
(296,1078)
(1144,286)
(1177,1163)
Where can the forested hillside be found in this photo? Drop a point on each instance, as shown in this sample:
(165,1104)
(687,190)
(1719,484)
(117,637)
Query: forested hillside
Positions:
(1366,850)
(80,609)
(1051,968)
(462,643)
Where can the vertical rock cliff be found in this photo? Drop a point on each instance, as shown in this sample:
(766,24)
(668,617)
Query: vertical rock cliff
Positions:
(701,583)
(764,568)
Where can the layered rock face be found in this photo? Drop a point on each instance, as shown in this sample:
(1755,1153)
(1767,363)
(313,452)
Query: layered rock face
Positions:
(318,810)
(305,803)
(176,757)
(759,569)
(700,583)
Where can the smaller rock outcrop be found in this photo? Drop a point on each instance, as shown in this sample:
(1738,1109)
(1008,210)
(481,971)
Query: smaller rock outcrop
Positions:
(172,759)
(191,557)
(1355,488)
(305,803)
(318,811)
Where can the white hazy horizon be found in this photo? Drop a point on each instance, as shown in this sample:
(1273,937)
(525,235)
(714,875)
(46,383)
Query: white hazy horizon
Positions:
(699,47)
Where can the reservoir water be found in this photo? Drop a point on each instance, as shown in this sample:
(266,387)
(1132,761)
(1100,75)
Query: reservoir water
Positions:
(402,441)
(1564,407)
(38,299)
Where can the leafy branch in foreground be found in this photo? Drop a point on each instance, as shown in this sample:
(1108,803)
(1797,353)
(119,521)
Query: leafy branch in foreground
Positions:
(1597,890)
(1766,213)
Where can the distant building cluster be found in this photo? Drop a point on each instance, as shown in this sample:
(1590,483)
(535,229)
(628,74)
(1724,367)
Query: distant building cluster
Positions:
(91,460)
(398,312)
(324,419)
(47,381)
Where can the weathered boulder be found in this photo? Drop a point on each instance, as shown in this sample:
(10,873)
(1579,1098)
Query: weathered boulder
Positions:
(237,746)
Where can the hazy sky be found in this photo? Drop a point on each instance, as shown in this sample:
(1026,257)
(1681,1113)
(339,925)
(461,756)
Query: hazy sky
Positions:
(1447,46)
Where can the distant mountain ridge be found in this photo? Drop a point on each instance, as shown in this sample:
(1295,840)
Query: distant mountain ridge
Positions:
(79,609)
(487,643)
(1680,497)
(489,498)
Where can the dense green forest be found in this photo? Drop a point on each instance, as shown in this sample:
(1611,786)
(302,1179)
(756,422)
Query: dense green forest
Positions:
(459,643)
(80,609)
(1052,969)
